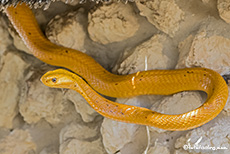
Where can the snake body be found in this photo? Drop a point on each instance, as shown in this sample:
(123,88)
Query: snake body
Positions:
(159,82)
(132,114)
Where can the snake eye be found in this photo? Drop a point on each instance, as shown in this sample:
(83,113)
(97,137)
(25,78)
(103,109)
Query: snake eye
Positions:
(54,80)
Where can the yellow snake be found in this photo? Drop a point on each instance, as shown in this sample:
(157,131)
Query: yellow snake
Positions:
(160,82)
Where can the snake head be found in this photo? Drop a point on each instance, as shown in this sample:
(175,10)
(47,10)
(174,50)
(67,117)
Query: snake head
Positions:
(59,78)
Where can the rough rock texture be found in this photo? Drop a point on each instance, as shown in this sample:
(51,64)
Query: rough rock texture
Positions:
(81,138)
(126,138)
(11,76)
(78,131)
(205,1)
(68,30)
(81,105)
(211,138)
(227,106)
(71,2)
(151,54)
(17,41)
(5,40)
(18,141)
(177,104)
(42,102)
(82,147)
(164,14)
(223,7)
(53,121)
(123,137)
(204,50)
(112,23)
(158,149)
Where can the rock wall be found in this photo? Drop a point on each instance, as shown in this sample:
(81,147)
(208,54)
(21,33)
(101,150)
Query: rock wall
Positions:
(123,38)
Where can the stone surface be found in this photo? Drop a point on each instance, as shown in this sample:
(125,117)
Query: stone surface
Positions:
(61,121)
(209,138)
(177,104)
(151,54)
(227,106)
(71,2)
(112,23)
(81,105)
(164,14)
(5,40)
(67,30)
(223,7)
(207,48)
(124,137)
(83,138)
(18,42)
(11,75)
(82,147)
(42,102)
(18,141)
(80,131)
(158,149)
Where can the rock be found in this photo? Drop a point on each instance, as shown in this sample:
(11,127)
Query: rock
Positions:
(18,141)
(42,102)
(180,151)
(158,149)
(164,14)
(46,136)
(205,1)
(178,103)
(71,2)
(151,54)
(112,23)
(208,138)
(80,137)
(68,30)
(18,42)
(80,131)
(82,147)
(47,151)
(227,106)
(5,40)
(81,105)
(11,75)
(223,7)
(124,137)
(207,48)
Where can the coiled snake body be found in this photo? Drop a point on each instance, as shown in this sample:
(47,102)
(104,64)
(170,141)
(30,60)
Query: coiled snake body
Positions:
(160,82)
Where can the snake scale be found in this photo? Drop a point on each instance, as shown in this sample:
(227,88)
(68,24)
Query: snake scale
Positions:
(158,82)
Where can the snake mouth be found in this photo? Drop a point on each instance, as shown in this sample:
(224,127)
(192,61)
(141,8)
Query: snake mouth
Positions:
(45,79)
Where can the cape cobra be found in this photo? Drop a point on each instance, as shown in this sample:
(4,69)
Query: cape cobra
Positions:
(159,82)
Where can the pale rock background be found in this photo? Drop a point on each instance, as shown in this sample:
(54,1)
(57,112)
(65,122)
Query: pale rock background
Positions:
(123,38)
(224,10)
(164,14)
(11,77)
(112,23)
(18,141)
(70,25)
(81,106)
